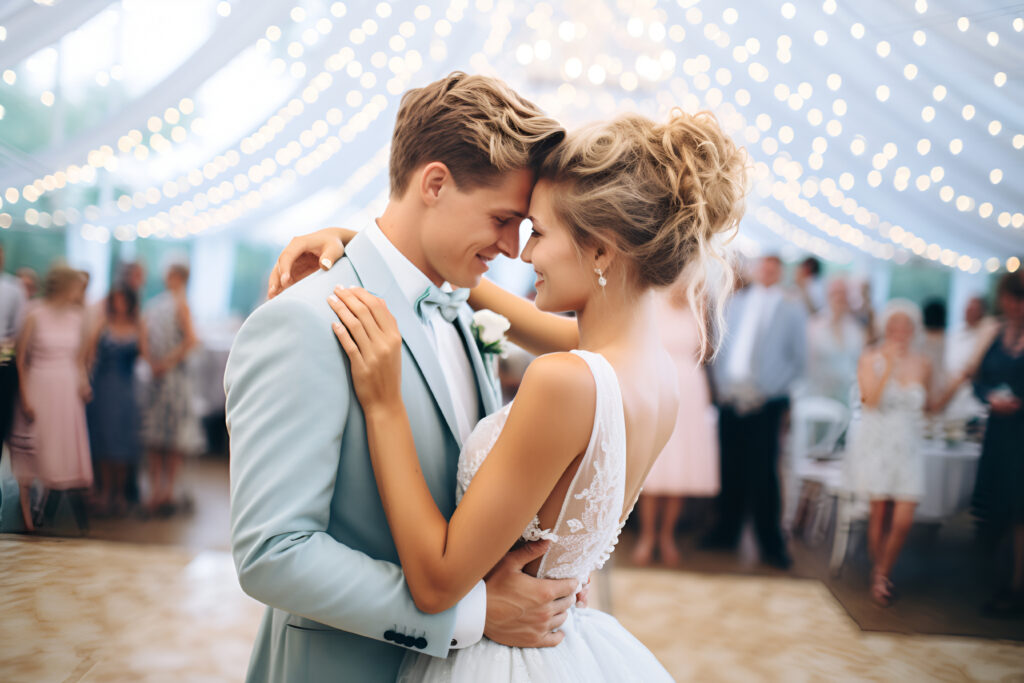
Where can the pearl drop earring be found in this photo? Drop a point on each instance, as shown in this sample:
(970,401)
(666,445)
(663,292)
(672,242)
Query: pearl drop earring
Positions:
(601,280)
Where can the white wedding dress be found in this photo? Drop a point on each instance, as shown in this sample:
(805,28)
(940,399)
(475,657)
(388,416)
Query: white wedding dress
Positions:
(596,647)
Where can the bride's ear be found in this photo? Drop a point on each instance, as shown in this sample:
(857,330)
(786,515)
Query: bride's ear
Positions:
(604,257)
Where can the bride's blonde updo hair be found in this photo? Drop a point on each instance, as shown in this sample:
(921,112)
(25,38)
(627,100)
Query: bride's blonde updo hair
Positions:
(659,194)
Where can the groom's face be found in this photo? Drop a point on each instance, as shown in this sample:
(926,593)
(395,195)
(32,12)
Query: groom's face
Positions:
(465,230)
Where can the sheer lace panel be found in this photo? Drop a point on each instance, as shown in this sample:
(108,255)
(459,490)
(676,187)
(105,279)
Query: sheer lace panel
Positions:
(591,516)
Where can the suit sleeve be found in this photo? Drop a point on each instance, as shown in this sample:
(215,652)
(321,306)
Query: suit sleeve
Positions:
(798,343)
(288,395)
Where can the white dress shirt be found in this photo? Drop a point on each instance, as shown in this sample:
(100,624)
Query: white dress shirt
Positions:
(758,309)
(471,611)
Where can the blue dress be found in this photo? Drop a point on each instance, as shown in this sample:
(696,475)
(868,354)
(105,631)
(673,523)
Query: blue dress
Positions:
(113,413)
(998,497)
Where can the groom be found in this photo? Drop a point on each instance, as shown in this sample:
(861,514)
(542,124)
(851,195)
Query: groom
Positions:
(308,533)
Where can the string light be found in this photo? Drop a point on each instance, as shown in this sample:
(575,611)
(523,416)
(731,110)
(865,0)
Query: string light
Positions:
(706,89)
(903,178)
(47,99)
(218,205)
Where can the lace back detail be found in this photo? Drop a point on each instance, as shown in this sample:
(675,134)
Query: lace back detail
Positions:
(591,516)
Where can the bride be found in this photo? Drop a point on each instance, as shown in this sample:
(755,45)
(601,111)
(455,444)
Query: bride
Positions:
(618,210)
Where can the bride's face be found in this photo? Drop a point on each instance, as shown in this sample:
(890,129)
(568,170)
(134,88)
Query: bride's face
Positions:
(564,282)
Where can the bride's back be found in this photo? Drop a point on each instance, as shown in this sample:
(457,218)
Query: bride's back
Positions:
(638,394)
(650,398)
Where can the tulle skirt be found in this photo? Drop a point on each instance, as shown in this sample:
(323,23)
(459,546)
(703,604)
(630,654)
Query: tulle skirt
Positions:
(596,647)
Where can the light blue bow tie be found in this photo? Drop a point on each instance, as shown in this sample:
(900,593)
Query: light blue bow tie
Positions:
(446,302)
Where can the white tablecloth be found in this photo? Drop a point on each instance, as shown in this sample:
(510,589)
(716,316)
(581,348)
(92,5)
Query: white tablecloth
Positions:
(949,478)
(949,473)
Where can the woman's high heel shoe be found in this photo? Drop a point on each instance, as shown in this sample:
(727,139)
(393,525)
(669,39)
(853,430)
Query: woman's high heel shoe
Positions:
(882,590)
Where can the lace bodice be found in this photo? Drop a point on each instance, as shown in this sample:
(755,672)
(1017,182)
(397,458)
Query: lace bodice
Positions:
(591,517)
(897,397)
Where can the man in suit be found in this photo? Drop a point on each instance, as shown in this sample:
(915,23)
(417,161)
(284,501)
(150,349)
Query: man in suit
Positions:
(763,354)
(309,535)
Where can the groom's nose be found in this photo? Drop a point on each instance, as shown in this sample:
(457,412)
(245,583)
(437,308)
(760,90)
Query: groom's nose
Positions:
(508,240)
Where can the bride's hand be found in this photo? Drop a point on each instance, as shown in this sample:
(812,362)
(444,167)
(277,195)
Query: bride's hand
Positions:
(304,254)
(369,334)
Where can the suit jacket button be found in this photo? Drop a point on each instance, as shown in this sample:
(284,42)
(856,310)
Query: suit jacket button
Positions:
(454,642)
(389,635)
(405,640)
(420,643)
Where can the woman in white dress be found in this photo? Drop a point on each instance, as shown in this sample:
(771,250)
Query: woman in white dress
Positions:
(885,462)
(618,210)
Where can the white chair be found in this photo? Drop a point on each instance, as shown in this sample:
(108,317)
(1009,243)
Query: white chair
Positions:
(818,422)
(848,511)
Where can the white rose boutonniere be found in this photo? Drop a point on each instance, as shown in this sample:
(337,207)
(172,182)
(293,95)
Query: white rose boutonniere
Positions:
(489,330)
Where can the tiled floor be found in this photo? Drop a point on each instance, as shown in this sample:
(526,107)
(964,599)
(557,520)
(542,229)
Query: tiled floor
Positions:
(95,611)
(77,610)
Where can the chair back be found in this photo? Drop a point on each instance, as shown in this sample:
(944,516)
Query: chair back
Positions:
(818,423)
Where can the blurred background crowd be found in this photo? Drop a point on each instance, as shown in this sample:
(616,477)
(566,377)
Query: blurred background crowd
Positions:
(817,410)
(860,424)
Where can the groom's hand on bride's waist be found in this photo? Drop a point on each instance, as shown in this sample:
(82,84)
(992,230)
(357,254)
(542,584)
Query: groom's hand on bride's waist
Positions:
(524,611)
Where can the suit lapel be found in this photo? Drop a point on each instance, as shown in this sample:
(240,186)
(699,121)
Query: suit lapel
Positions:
(484,381)
(376,278)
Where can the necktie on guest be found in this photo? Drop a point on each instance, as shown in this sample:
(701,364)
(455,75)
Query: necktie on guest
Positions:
(446,302)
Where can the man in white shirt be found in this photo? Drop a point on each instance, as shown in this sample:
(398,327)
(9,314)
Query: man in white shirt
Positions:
(763,354)
(309,535)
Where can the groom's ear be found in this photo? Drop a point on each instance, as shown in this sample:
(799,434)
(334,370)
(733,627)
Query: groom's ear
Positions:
(433,179)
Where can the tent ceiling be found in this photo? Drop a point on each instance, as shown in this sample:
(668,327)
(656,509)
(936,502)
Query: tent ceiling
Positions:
(876,129)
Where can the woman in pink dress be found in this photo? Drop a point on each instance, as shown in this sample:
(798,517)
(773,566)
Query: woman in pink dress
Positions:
(688,466)
(49,439)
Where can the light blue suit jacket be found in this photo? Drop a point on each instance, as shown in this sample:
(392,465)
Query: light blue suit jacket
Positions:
(780,352)
(308,533)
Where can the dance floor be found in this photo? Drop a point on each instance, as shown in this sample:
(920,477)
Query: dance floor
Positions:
(77,610)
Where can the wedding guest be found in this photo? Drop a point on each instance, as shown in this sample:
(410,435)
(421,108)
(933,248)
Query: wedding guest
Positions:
(170,427)
(132,274)
(29,282)
(933,342)
(688,465)
(835,341)
(12,314)
(864,311)
(113,414)
(83,286)
(965,348)
(885,462)
(809,284)
(49,439)
(760,359)
(998,499)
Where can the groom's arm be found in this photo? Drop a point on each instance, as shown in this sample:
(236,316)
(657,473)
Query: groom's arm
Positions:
(288,394)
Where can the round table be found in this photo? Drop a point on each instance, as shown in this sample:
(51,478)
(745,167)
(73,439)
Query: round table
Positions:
(949,474)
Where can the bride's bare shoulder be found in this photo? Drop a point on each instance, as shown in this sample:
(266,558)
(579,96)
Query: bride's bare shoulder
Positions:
(560,388)
(561,374)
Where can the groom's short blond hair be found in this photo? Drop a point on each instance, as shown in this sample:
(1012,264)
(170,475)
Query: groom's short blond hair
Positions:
(476,125)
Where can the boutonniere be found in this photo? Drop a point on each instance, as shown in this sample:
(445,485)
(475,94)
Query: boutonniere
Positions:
(489,330)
